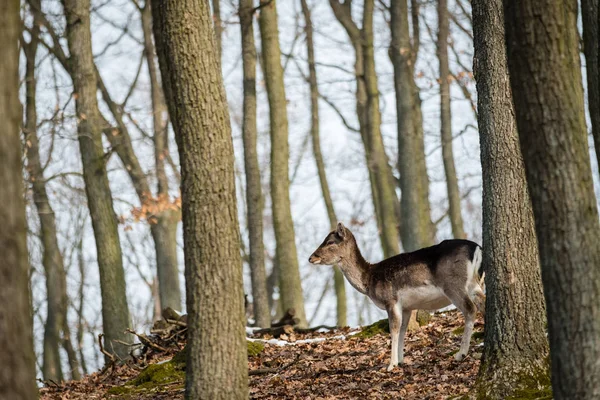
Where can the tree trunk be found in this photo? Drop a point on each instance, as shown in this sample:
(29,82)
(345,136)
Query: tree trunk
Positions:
(417,228)
(115,312)
(446,123)
(17,374)
(218,24)
(385,202)
(338,277)
(254,197)
(516,348)
(287,257)
(52,260)
(164,227)
(216,365)
(591,43)
(545,76)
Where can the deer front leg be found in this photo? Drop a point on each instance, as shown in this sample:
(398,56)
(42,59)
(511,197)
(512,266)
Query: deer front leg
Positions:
(395,319)
(403,327)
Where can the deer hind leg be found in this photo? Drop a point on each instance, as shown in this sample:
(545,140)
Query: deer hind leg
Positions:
(464,303)
(395,320)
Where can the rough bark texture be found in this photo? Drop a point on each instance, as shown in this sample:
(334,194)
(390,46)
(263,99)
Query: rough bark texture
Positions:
(17,374)
(216,365)
(446,123)
(287,258)
(164,227)
(52,260)
(254,197)
(218,24)
(545,76)
(115,313)
(416,229)
(338,277)
(591,48)
(385,202)
(516,348)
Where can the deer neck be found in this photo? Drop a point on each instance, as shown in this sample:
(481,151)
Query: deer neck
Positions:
(356,269)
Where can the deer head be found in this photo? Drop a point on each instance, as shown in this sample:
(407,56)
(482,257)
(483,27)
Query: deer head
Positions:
(336,246)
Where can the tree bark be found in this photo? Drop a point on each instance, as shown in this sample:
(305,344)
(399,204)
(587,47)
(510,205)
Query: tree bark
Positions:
(516,348)
(115,312)
(417,228)
(216,365)
(287,257)
(446,123)
(385,202)
(17,374)
(546,82)
(218,24)
(164,227)
(52,260)
(591,44)
(338,277)
(254,197)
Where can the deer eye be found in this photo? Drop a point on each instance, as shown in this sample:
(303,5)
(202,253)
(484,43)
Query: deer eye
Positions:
(330,242)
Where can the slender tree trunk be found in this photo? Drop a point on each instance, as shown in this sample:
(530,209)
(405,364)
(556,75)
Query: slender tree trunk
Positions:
(216,365)
(262,313)
(56,285)
(115,312)
(446,123)
(516,348)
(338,277)
(52,259)
(545,77)
(164,227)
(17,374)
(417,228)
(287,257)
(385,202)
(591,43)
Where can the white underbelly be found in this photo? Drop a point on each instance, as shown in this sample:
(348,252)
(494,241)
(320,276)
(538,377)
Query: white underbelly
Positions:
(423,298)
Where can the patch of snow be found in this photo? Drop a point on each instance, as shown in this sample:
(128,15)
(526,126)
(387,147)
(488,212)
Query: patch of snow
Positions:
(278,342)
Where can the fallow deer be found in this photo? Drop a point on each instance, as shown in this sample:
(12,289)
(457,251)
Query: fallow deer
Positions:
(427,279)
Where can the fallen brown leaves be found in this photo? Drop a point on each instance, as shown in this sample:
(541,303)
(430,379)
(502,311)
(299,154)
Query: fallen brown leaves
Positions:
(334,369)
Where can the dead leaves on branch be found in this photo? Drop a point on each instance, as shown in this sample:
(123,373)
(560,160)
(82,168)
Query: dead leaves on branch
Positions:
(151,209)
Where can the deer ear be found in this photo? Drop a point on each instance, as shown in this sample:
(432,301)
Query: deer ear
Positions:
(341,230)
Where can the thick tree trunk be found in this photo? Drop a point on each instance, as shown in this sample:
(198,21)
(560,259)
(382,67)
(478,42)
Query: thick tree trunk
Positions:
(52,260)
(417,228)
(516,348)
(254,197)
(17,374)
(385,202)
(338,277)
(591,43)
(545,76)
(287,257)
(216,361)
(446,123)
(115,313)
(164,228)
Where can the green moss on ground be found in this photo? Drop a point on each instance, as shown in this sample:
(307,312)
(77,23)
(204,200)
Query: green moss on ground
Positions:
(172,372)
(376,328)
(255,348)
(152,377)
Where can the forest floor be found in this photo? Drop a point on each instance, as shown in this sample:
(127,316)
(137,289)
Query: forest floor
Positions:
(335,364)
